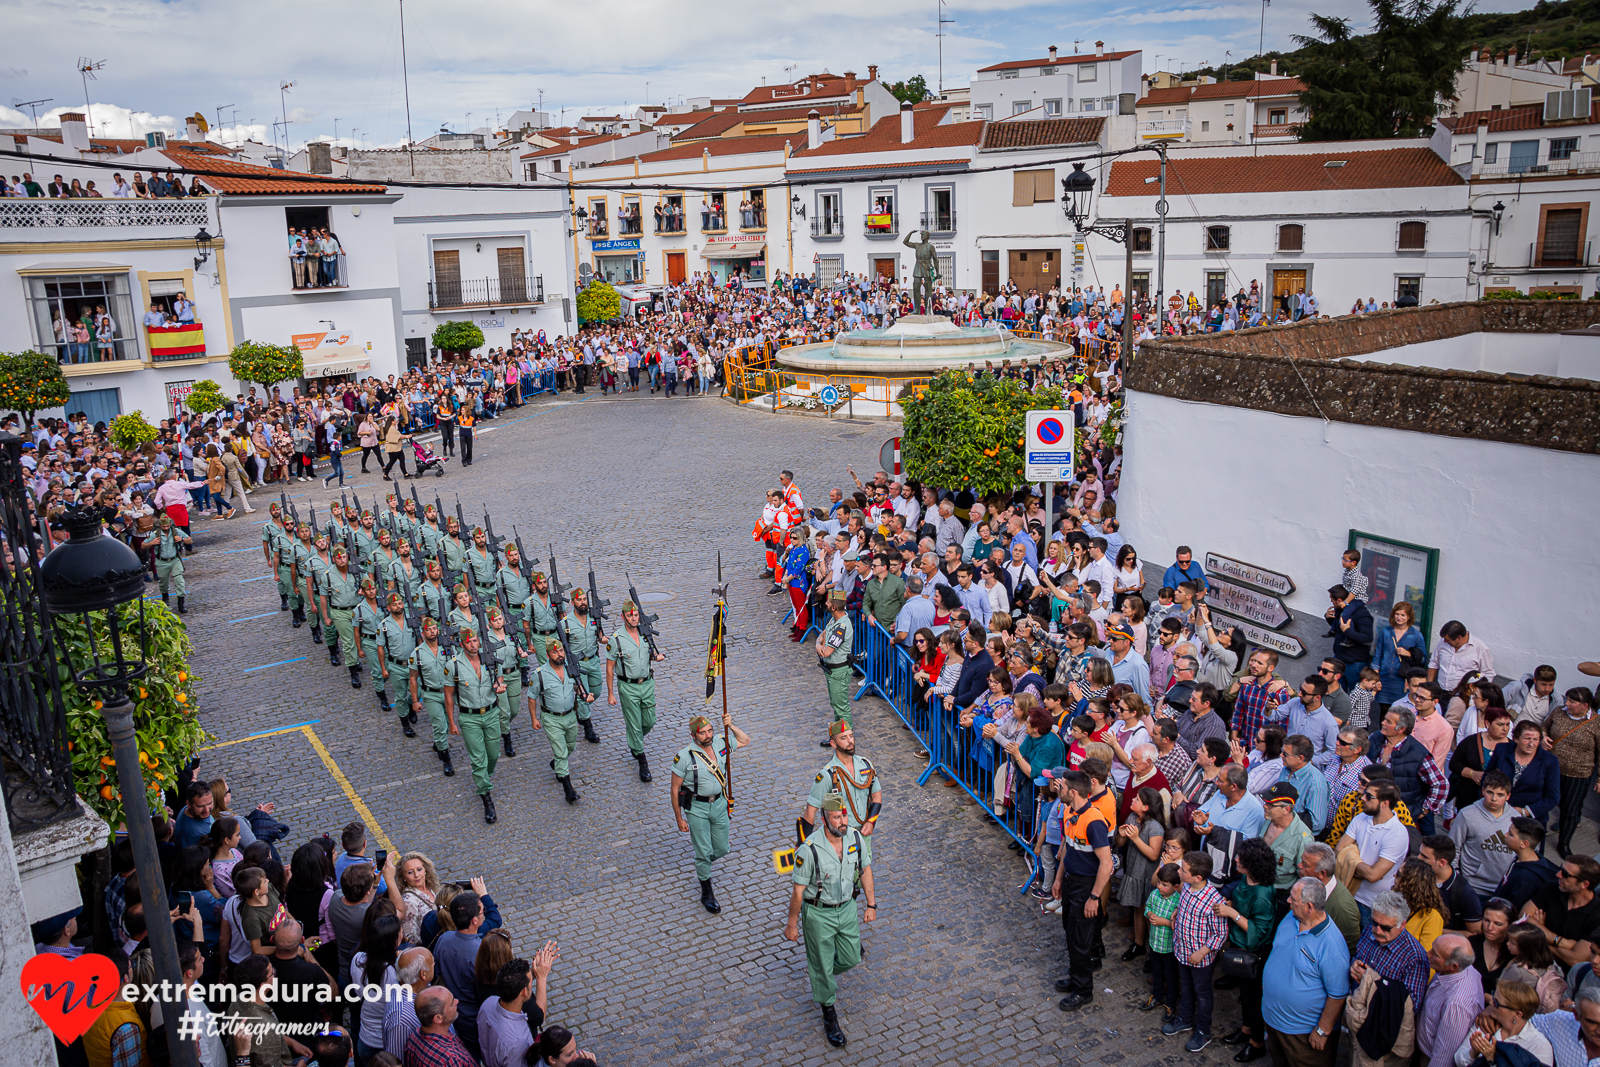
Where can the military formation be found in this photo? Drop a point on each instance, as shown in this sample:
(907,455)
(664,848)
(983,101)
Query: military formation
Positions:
(450,621)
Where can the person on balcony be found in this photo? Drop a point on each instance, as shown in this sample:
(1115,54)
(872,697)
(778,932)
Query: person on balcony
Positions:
(329,248)
(183,308)
(297,256)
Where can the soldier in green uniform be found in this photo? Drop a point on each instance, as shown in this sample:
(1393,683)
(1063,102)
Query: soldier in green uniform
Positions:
(827,868)
(516,589)
(304,550)
(461,618)
(430,671)
(403,576)
(368,616)
(395,643)
(852,777)
(408,521)
(336,524)
(428,533)
(541,614)
(341,592)
(452,553)
(833,652)
(628,660)
(169,558)
(470,691)
(366,542)
(700,795)
(554,704)
(480,561)
(317,566)
(585,638)
(383,558)
(276,547)
(510,658)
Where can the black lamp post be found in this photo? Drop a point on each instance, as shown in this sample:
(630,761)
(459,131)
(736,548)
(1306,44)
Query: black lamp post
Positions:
(89,578)
(202,245)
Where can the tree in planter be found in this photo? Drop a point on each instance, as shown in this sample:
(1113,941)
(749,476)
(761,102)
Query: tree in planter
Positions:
(266,364)
(599,303)
(457,338)
(967,433)
(29,382)
(130,431)
(206,397)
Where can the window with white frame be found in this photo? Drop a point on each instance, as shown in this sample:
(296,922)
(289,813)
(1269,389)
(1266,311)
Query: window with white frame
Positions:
(1019,106)
(986,112)
(1007,75)
(1088,72)
(1052,108)
(58,303)
(1412,237)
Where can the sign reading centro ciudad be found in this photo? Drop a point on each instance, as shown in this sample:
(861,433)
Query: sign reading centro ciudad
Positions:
(1248,596)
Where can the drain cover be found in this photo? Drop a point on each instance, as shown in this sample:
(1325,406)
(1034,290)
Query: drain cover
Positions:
(655,598)
(845,435)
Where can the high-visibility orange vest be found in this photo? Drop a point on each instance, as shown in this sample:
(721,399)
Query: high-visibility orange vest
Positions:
(465,419)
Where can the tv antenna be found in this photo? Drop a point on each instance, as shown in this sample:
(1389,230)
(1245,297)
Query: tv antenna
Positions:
(940,34)
(32,106)
(283,101)
(220,110)
(86,68)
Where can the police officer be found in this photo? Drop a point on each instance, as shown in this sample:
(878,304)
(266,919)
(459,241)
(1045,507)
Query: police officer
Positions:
(585,638)
(169,560)
(509,657)
(554,704)
(429,671)
(470,690)
(275,546)
(628,660)
(541,614)
(853,778)
(827,869)
(833,652)
(699,795)
(341,592)
(395,643)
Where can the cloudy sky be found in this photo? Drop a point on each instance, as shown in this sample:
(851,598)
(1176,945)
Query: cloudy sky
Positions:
(472,59)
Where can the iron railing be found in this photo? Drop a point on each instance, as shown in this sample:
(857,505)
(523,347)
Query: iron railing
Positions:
(37,767)
(939,221)
(880,228)
(74,214)
(485,292)
(827,228)
(308,273)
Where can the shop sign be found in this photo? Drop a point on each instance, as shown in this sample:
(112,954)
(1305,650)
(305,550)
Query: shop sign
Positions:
(629,245)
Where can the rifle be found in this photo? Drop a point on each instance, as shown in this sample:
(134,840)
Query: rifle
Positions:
(646,622)
(524,566)
(466,531)
(493,542)
(597,606)
(486,642)
(557,601)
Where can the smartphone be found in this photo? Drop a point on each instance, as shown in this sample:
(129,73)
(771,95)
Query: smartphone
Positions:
(381,858)
(313,944)
(185,901)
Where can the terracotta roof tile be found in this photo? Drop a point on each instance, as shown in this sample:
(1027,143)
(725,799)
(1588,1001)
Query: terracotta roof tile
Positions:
(1037,133)
(245,179)
(1528,117)
(717,146)
(1391,168)
(1182,94)
(1019,64)
(880,166)
(885,136)
(821,85)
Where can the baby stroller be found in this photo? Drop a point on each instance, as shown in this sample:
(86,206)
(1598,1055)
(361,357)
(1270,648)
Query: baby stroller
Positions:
(425,460)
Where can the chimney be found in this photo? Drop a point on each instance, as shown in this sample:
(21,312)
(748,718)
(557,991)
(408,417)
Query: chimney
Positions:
(1477,152)
(1274,68)
(192,132)
(872,72)
(319,156)
(908,123)
(1511,57)
(1052,53)
(813,129)
(849,81)
(74,132)
(1100,49)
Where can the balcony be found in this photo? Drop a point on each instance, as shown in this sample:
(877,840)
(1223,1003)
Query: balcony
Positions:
(1577,163)
(507,290)
(671,224)
(1164,130)
(314,272)
(753,219)
(939,221)
(881,224)
(96,214)
(827,228)
(1277,131)
(629,225)
(713,220)
(597,228)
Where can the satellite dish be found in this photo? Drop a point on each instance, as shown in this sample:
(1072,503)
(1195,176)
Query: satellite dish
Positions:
(200,121)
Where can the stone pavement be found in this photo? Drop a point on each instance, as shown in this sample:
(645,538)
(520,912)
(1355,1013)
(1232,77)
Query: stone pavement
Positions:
(959,968)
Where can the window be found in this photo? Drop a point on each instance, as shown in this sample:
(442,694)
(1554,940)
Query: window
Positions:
(1007,75)
(1052,108)
(1413,236)
(1291,237)
(1408,285)
(57,301)
(1019,106)
(947,268)
(1491,152)
(829,222)
(1563,147)
(882,212)
(530,172)
(1088,103)
(1216,238)
(1141,239)
(1032,187)
(1216,288)
(1205,125)
(1227,109)
(754,215)
(1045,72)
(714,213)
(1088,72)
(1141,284)
(1277,116)
(986,112)
(828,268)
(629,219)
(1524,155)
(941,217)
(597,219)
(1561,235)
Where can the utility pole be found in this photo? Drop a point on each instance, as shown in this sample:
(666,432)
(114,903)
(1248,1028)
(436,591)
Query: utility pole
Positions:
(283,100)
(86,68)
(942,23)
(405,78)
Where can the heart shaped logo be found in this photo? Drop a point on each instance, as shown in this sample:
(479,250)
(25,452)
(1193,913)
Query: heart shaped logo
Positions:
(69,995)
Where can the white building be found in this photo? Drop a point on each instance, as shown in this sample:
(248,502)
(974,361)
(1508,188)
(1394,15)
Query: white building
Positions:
(1497,82)
(1095,83)
(1266,110)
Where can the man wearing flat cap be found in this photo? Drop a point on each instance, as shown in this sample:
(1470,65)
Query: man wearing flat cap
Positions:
(828,868)
(700,795)
(833,653)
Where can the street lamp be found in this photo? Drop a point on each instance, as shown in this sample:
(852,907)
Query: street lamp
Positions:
(89,578)
(202,244)
(1077,190)
(1499,210)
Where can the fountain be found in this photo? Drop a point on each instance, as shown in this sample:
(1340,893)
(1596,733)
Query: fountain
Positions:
(915,346)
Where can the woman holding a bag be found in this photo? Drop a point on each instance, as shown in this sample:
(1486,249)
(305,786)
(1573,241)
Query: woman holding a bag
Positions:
(1250,928)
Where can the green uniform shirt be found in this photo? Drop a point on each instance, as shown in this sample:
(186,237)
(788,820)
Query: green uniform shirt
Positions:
(463,621)
(557,695)
(474,685)
(368,618)
(302,554)
(167,543)
(583,635)
(505,653)
(838,635)
(275,537)
(829,877)
(366,542)
(433,668)
(407,524)
(454,553)
(699,778)
(515,587)
(632,657)
(434,599)
(320,566)
(405,578)
(856,798)
(396,639)
(336,530)
(430,535)
(541,614)
(482,566)
(342,590)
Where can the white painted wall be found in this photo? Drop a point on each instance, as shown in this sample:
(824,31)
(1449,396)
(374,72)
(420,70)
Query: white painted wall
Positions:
(368,322)
(1497,353)
(258,242)
(1512,523)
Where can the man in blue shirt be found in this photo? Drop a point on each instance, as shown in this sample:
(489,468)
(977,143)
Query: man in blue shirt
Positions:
(917,613)
(1310,783)
(1126,664)
(1184,570)
(1305,715)
(194,821)
(974,598)
(1306,979)
(1232,806)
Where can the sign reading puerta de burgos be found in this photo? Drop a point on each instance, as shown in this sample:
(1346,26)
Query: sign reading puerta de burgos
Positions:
(1047,446)
(1247,596)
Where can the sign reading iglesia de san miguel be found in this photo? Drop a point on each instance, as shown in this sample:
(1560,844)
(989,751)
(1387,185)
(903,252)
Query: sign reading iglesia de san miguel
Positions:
(1248,596)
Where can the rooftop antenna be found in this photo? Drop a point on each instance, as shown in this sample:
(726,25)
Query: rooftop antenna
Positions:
(1075,45)
(405,77)
(220,108)
(1261,42)
(336,129)
(32,106)
(942,23)
(86,68)
(283,100)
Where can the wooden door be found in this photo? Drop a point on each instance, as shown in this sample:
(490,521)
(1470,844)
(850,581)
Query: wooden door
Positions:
(991,272)
(883,269)
(446,277)
(1286,283)
(1034,268)
(675,268)
(513,274)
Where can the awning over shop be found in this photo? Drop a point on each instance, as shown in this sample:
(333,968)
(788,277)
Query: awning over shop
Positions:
(335,368)
(750,248)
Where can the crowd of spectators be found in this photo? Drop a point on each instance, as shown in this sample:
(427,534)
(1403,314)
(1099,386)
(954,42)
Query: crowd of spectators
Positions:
(158,187)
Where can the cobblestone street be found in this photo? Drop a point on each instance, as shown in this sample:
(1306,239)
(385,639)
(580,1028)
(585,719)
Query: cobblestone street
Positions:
(960,968)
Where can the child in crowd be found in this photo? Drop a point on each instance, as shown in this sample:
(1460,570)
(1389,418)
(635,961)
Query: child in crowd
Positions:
(1144,833)
(1160,906)
(1048,842)
(1361,699)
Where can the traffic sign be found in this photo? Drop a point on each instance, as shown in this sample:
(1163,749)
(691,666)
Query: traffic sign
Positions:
(889,456)
(1283,644)
(830,395)
(1048,444)
(1263,609)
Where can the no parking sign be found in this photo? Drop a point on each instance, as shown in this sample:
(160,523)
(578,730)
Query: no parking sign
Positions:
(1047,446)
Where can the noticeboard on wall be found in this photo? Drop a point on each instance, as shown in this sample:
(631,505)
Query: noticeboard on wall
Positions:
(1396,571)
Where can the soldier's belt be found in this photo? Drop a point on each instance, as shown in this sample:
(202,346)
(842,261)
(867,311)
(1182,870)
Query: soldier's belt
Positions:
(463,709)
(819,904)
(342,607)
(544,633)
(635,681)
(398,662)
(427,689)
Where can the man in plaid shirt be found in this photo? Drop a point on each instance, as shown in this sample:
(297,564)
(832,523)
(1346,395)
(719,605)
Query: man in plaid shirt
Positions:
(1257,695)
(1198,935)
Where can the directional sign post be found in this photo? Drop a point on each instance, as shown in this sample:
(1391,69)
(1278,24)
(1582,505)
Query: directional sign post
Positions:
(1283,644)
(1263,609)
(1249,574)
(1047,446)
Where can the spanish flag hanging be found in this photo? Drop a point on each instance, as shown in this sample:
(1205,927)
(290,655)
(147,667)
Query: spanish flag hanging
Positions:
(716,649)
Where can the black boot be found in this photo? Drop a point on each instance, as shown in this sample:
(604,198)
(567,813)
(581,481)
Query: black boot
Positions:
(644,766)
(316,634)
(830,1023)
(411,717)
(506,746)
(166,602)
(383,699)
(405,726)
(333,652)
(588,732)
(708,899)
(355,676)
(180,605)
(489,814)
(298,618)
(444,758)
(284,600)
(566,784)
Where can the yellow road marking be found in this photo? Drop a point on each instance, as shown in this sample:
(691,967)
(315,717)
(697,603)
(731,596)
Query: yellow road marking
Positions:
(256,737)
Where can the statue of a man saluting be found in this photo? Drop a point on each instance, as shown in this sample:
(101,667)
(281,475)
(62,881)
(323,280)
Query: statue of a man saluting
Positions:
(924,274)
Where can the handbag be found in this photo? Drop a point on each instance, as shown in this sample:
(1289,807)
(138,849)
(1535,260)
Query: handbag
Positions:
(1237,963)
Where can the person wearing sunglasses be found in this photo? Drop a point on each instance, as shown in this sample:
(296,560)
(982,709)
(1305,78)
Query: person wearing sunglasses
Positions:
(1386,951)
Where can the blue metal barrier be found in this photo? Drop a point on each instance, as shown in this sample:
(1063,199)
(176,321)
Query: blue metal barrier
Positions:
(956,751)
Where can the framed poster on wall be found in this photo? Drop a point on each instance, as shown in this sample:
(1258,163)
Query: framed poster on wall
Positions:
(1398,570)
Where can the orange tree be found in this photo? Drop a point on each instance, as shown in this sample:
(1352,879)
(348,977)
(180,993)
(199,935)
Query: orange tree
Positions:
(266,364)
(165,718)
(31,381)
(963,432)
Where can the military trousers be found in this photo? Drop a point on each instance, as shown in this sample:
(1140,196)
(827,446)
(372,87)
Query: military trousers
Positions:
(509,702)
(373,655)
(592,672)
(708,831)
(562,730)
(839,679)
(480,732)
(833,946)
(286,586)
(398,685)
(433,707)
(638,700)
(170,570)
(344,624)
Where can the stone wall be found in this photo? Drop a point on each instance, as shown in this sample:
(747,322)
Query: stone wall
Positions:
(1297,370)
